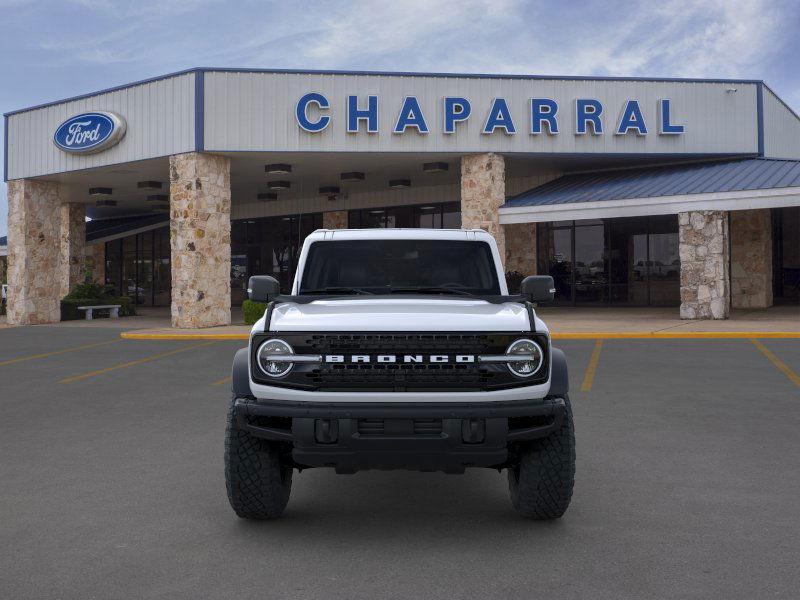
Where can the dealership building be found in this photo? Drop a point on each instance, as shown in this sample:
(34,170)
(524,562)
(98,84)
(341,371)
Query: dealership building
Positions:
(628,191)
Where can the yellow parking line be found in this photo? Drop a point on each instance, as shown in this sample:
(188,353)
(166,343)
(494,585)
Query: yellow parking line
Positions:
(591,369)
(54,353)
(779,364)
(223,381)
(132,363)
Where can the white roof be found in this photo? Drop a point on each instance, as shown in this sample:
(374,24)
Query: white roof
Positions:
(399,234)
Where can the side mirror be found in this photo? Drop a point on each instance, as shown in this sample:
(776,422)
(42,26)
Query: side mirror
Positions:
(262,288)
(538,288)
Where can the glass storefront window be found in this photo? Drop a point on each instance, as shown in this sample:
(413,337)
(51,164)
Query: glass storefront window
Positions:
(445,215)
(138,266)
(268,246)
(618,261)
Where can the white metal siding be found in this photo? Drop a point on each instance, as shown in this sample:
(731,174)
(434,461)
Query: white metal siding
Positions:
(781,128)
(255,111)
(160,122)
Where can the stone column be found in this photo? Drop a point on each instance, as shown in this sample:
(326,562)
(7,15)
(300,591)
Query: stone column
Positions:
(521,248)
(200,239)
(483,191)
(96,256)
(703,247)
(34,244)
(335,219)
(751,258)
(73,242)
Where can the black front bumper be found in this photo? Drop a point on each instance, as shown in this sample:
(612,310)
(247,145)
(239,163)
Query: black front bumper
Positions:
(419,436)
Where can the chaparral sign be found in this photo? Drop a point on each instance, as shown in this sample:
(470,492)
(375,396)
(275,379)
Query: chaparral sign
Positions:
(90,132)
(588,116)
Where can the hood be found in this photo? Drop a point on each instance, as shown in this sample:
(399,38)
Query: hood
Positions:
(400,314)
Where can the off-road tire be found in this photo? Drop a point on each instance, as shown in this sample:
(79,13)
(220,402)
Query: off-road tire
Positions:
(258,483)
(541,482)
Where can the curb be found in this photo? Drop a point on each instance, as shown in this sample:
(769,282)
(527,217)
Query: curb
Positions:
(599,335)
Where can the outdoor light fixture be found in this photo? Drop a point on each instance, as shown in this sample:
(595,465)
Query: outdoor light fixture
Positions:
(352,176)
(427,208)
(329,189)
(106,203)
(279,185)
(399,183)
(435,167)
(278,168)
(267,196)
(158,198)
(100,191)
(149,185)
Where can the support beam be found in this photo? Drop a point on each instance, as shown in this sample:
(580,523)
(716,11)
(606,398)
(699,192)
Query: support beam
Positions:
(200,239)
(520,248)
(96,259)
(73,246)
(751,258)
(703,247)
(483,192)
(334,219)
(34,242)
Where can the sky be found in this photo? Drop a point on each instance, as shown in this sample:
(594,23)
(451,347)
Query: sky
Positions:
(56,49)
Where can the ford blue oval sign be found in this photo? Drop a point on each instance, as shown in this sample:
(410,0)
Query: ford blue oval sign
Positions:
(90,132)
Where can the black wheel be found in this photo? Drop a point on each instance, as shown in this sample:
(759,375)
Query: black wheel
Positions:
(258,483)
(541,482)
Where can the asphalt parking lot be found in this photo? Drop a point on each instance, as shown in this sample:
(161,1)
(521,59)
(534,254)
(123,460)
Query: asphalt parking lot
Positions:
(111,485)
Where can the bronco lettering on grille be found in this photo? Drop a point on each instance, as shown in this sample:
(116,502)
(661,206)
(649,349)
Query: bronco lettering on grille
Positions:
(404,358)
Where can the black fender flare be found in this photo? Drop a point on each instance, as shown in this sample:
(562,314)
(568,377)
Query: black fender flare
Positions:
(559,375)
(240,374)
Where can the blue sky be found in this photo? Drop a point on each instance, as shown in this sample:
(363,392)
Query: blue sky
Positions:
(56,49)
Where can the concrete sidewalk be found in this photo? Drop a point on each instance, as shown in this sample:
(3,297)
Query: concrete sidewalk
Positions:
(564,323)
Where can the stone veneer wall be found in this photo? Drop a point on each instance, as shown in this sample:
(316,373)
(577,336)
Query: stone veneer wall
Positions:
(483,192)
(72,242)
(703,247)
(200,239)
(751,258)
(521,248)
(96,257)
(335,219)
(34,242)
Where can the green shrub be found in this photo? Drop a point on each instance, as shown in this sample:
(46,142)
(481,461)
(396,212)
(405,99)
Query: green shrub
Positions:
(70,312)
(253,311)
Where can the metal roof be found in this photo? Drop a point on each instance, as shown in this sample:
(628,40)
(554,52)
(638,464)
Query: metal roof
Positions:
(671,180)
(109,229)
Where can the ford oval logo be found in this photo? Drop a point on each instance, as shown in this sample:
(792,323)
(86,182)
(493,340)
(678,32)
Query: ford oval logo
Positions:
(90,132)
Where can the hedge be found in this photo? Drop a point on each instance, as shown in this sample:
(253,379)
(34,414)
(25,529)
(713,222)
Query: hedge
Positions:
(70,312)
(253,311)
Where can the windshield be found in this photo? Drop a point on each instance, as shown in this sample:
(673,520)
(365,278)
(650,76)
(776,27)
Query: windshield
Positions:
(400,266)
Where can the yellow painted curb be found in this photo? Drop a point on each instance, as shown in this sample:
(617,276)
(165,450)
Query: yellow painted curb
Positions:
(589,335)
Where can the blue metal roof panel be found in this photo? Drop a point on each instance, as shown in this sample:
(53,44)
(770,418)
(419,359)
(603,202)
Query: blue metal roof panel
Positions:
(671,180)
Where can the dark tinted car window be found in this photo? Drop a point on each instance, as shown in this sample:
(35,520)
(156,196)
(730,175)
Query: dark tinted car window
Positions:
(392,266)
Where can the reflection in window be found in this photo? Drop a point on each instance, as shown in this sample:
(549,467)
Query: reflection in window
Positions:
(619,261)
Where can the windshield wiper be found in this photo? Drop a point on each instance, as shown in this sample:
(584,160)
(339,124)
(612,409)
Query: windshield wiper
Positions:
(337,290)
(434,289)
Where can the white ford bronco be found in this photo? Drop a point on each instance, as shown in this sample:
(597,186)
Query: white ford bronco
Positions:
(400,349)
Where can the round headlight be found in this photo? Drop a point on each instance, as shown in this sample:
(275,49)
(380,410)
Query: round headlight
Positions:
(266,361)
(530,358)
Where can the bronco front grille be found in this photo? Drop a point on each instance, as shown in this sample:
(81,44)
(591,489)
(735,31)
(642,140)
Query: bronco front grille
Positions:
(399,375)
